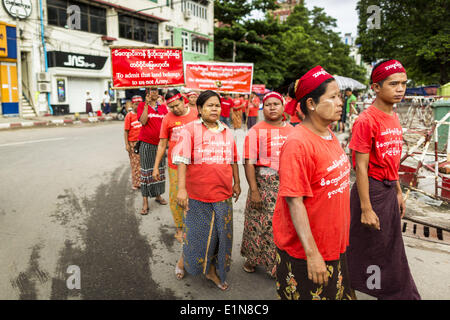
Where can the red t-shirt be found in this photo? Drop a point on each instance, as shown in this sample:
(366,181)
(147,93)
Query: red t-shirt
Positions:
(238,104)
(263,144)
(253,107)
(226,105)
(133,126)
(246,103)
(380,135)
(150,131)
(209,175)
(171,127)
(319,171)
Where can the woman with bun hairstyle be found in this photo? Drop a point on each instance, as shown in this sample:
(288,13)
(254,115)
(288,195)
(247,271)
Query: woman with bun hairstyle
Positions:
(312,213)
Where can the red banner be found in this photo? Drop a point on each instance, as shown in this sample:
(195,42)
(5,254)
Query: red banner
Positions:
(259,88)
(219,76)
(146,67)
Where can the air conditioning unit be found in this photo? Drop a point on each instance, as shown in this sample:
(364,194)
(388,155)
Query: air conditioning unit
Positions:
(187,14)
(44,87)
(43,77)
(169,28)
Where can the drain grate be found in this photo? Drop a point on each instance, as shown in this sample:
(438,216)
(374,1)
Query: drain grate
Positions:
(417,230)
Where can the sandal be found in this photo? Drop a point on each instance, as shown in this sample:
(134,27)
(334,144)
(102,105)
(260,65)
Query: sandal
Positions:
(161,201)
(179,238)
(145,212)
(222,286)
(179,273)
(248,268)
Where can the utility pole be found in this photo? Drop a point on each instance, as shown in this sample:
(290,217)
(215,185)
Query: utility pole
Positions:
(234,51)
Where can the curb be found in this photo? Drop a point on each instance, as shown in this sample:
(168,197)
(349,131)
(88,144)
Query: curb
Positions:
(58,122)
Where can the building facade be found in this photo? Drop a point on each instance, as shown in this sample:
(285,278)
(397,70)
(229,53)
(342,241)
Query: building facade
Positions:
(63,46)
(354,53)
(285,9)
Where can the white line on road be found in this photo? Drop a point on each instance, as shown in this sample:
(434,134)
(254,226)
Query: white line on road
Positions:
(31,141)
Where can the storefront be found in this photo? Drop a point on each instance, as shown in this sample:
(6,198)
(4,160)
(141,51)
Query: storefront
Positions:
(72,75)
(9,92)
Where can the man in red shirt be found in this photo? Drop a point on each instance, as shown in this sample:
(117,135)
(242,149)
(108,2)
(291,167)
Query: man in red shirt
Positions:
(377,205)
(253,109)
(150,113)
(226,104)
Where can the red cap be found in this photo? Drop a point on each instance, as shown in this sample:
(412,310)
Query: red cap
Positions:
(273,94)
(136,99)
(385,69)
(310,81)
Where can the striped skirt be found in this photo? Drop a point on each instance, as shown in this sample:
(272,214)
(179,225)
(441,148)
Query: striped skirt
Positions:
(150,187)
(208,237)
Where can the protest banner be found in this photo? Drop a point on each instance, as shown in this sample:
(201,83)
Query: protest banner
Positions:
(135,67)
(259,88)
(219,76)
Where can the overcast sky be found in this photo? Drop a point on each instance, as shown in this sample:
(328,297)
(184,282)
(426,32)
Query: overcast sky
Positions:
(344,11)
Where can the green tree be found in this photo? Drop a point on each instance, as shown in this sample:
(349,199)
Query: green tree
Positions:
(229,11)
(282,52)
(417,33)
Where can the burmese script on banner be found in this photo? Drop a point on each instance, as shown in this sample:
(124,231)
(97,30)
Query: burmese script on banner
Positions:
(219,76)
(134,67)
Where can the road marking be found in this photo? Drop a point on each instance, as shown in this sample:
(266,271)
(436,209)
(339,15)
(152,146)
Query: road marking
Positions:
(31,141)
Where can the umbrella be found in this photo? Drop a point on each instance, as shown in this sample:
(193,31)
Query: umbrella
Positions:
(345,83)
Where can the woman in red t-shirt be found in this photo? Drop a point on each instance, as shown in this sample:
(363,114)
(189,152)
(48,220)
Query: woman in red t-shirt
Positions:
(312,213)
(132,130)
(261,153)
(180,114)
(150,113)
(207,158)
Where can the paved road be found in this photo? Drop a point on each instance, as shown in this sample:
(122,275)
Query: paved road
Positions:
(66,199)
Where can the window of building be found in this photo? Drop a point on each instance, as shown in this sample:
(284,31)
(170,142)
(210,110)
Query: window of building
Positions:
(198,8)
(185,40)
(92,18)
(193,43)
(138,29)
(199,46)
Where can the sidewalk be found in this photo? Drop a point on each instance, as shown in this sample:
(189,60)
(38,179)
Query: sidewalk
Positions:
(44,121)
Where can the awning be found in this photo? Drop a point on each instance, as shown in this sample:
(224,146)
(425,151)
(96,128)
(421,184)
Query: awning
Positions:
(345,83)
(201,37)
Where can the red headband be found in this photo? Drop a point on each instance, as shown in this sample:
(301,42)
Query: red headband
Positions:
(385,69)
(310,81)
(136,99)
(174,98)
(191,93)
(273,94)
